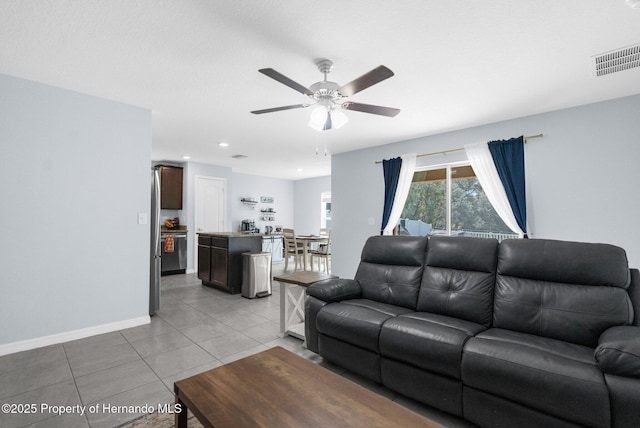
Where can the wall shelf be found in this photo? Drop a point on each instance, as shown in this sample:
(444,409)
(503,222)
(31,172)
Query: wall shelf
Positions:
(268,214)
(249,202)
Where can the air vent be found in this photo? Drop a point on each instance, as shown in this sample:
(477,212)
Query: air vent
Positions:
(239,156)
(615,61)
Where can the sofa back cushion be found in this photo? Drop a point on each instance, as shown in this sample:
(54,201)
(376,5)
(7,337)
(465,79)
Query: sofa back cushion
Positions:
(563,290)
(459,278)
(391,268)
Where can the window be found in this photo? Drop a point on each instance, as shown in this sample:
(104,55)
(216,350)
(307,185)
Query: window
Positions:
(448,200)
(325,210)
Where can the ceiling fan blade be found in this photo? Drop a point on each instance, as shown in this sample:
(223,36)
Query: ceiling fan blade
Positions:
(285,80)
(271,110)
(369,108)
(376,75)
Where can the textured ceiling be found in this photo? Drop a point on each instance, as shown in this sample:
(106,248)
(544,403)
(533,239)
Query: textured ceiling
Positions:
(194,64)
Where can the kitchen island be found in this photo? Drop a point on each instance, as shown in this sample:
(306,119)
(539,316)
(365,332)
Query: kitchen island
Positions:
(220,258)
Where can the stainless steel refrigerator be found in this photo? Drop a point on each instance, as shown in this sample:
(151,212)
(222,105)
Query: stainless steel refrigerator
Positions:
(156,250)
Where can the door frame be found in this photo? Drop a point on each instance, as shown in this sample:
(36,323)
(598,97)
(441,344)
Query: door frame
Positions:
(195,212)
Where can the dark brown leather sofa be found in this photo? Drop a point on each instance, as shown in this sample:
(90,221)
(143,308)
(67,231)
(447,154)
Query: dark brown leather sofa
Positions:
(522,333)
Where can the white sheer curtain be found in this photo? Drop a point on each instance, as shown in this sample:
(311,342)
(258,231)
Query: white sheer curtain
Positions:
(482,164)
(402,191)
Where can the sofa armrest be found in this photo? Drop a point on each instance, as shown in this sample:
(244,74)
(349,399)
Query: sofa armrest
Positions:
(618,351)
(634,294)
(335,290)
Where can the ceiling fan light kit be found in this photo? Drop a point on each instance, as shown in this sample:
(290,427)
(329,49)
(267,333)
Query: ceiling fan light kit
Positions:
(318,118)
(330,98)
(338,118)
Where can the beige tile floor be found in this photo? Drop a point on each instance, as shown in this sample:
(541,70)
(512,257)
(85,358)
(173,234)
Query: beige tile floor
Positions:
(197,328)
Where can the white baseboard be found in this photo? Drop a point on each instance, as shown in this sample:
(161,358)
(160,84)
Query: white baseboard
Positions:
(38,342)
(190,271)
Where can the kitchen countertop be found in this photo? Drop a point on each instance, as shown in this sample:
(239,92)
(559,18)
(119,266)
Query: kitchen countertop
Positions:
(235,234)
(179,229)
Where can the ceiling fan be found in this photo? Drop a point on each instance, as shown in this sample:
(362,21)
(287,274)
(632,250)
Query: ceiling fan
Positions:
(330,98)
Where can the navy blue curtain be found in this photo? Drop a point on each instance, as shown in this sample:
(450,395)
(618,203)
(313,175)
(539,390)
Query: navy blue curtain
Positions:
(508,157)
(391,170)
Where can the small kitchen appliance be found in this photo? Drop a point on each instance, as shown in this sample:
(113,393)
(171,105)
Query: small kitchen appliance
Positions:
(248,226)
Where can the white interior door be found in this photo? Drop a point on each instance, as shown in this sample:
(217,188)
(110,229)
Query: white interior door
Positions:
(210,207)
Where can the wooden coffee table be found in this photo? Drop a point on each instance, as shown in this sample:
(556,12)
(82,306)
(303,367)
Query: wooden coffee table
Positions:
(292,297)
(277,388)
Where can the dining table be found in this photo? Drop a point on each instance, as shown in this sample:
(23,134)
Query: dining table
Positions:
(307,240)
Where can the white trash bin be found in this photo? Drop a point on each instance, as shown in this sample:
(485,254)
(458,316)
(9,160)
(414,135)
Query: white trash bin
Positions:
(256,275)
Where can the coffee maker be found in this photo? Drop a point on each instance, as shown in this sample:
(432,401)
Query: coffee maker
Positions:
(248,226)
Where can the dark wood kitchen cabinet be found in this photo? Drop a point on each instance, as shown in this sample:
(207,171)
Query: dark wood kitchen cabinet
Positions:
(204,258)
(170,187)
(220,259)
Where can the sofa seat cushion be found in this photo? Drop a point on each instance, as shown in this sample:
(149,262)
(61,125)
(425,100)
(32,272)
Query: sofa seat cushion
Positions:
(357,321)
(429,341)
(555,377)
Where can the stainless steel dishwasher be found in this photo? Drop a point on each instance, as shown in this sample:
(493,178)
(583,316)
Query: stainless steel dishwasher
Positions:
(174,261)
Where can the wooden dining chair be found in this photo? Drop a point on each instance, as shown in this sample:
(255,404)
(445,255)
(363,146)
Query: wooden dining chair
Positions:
(323,251)
(326,232)
(292,248)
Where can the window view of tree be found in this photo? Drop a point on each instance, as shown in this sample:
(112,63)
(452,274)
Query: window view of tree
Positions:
(427,200)
(425,211)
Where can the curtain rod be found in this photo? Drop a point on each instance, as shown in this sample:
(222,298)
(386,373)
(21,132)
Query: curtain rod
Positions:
(444,152)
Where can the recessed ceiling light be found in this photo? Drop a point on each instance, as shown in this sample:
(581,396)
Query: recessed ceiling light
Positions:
(186,157)
(299,170)
(223,144)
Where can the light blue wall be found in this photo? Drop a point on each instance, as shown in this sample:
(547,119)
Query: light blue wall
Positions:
(75,173)
(582,178)
(238,186)
(308,197)
(255,186)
